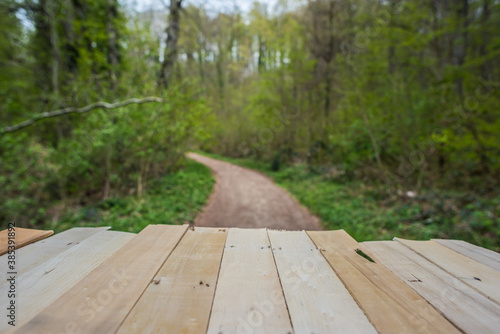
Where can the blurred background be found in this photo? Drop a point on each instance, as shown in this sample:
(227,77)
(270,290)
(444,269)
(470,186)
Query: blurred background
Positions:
(380,116)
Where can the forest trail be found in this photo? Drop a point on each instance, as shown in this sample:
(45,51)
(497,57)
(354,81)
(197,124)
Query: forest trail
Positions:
(246,198)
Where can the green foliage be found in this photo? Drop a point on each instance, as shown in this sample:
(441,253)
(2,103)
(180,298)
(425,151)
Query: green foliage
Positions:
(403,93)
(399,87)
(174,198)
(74,54)
(372,212)
(120,149)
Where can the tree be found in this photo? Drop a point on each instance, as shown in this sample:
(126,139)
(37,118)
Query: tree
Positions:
(170,54)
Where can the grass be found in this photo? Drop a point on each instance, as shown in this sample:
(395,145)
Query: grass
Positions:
(373,212)
(173,199)
(366,211)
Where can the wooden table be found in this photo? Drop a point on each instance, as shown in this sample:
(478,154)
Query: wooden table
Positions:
(175,279)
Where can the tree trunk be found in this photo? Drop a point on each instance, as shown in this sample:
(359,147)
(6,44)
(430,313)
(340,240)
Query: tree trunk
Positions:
(201,64)
(170,55)
(107,178)
(220,78)
(392,47)
(262,51)
(81,15)
(71,53)
(374,141)
(328,59)
(328,89)
(50,9)
(461,42)
(112,35)
(460,54)
(485,37)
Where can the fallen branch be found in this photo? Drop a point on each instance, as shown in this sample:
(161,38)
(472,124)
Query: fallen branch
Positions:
(73,110)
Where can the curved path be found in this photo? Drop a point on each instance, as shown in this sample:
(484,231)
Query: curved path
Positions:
(245,198)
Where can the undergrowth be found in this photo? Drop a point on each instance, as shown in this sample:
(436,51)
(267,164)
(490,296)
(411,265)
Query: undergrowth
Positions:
(375,212)
(175,198)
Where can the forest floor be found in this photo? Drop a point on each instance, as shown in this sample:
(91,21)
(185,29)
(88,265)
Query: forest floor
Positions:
(364,209)
(371,211)
(174,198)
(246,198)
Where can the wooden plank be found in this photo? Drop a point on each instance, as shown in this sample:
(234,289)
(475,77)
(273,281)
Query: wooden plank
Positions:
(180,297)
(390,305)
(484,279)
(465,307)
(100,302)
(43,250)
(317,300)
(22,237)
(480,254)
(248,296)
(42,285)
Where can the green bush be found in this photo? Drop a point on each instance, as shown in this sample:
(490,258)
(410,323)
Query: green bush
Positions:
(174,198)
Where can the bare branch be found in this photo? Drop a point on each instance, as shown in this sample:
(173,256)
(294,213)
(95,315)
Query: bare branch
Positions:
(73,110)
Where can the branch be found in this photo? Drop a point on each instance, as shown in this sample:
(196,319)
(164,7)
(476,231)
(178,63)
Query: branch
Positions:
(73,110)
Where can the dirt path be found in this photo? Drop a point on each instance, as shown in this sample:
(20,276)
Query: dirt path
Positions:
(245,198)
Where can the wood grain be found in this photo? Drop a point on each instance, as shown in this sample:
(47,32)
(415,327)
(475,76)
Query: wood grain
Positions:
(481,277)
(390,305)
(37,253)
(42,285)
(317,300)
(466,308)
(100,302)
(23,237)
(248,297)
(480,254)
(180,297)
